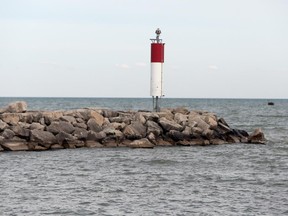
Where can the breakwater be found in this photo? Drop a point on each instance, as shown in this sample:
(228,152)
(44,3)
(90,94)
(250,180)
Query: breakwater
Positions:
(21,129)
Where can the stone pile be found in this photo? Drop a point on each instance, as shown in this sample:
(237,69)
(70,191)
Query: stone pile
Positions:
(42,130)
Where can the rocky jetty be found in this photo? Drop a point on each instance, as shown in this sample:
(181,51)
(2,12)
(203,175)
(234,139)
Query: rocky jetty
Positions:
(21,129)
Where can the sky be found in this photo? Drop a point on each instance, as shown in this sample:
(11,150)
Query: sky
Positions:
(93,48)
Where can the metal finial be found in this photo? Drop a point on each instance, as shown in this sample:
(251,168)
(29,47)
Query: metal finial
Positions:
(158,32)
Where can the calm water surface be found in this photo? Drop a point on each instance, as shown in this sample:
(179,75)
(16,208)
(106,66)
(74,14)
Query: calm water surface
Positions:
(233,179)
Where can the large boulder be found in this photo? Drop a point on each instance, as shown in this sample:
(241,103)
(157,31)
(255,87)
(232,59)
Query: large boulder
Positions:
(3,125)
(200,122)
(168,125)
(56,127)
(142,143)
(257,137)
(15,146)
(96,136)
(8,134)
(69,119)
(20,131)
(51,116)
(94,125)
(99,119)
(153,127)
(181,118)
(17,107)
(80,133)
(10,118)
(136,130)
(63,136)
(44,137)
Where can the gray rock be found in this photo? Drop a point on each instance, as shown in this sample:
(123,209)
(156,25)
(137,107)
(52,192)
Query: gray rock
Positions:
(63,136)
(181,110)
(168,125)
(80,125)
(116,125)
(51,116)
(120,119)
(3,125)
(57,127)
(17,107)
(96,136)
(15,146)
(181,119)
(110,113)
(153,127)
(136,130)
(20,131)
(177,135)
(43,137)
(69,119)
(93,125)
(142,143)
(36,125)
(200,122)
(80,133)
(8,134)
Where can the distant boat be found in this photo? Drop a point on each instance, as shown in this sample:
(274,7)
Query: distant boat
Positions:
(270,103)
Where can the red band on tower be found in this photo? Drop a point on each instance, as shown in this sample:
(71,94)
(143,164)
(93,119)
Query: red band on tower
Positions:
(157,52)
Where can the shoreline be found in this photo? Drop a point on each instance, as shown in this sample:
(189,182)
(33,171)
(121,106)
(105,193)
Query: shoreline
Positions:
(24,130)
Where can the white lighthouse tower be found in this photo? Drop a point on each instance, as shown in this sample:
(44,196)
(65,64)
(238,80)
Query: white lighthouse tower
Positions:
(157,60)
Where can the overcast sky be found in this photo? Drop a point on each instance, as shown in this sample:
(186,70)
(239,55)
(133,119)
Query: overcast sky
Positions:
(91,48)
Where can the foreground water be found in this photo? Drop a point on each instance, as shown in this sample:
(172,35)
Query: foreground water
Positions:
(233,179)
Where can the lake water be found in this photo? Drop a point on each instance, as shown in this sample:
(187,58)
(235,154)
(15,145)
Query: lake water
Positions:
(237,179)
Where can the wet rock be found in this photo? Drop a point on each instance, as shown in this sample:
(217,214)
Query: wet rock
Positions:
(42,137)
(217,142)
(168,125)
(93,144)
(257,137)
(15,146)
(177,135)
(142,143)
(17,107)
(56,146)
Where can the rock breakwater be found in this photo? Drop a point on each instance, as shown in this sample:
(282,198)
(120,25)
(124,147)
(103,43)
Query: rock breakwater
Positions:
(21,129)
